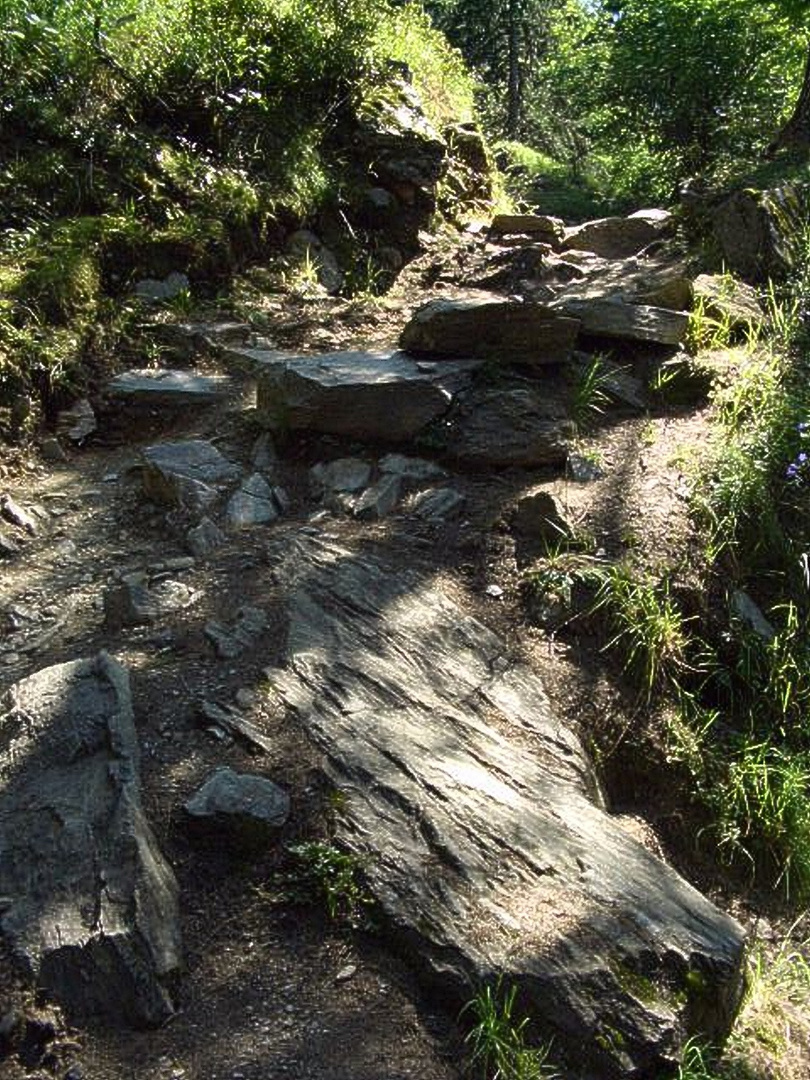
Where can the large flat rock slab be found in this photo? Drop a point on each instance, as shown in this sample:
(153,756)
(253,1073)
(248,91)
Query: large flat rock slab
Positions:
(368,395)
(491,327)
(89,905)
(478,819)
(612,317)
(169,386)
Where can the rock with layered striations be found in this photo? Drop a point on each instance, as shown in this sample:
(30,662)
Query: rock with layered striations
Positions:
(493,328)
(365,395)
(89,903)
(477,816)
(614,318)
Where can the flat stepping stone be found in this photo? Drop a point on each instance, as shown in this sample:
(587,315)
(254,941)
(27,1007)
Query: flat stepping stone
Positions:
(493,856)
(493,328)
(366,395)
(167,386)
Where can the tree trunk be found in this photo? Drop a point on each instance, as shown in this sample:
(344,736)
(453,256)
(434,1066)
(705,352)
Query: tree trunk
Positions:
(514,89)
(795,135)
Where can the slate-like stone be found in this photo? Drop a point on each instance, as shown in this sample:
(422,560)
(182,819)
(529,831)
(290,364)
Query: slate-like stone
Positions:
(491,327)
(538,516)
(490,855)
(77,422)
(614,318)
(89,903)
(252,504)
(380,499)
(237,800)
(17,515)
(166,386)
(381,396)
(524,426)
(731,303)
(619,237)
(234,723)
(342,474)
(189,474)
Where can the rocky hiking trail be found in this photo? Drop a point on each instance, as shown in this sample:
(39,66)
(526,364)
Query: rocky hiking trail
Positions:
(277,597)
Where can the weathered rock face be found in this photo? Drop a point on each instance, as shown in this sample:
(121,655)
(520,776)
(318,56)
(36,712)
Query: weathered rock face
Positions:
(759,233)
(524,426)
(618,237)
(386,396)
(398,151)
(614,318)
(89,903)
(491,327)
(489,856)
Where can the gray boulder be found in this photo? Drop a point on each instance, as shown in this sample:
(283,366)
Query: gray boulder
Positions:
(189,474)
(619,237)
(166,386)
(380,499)
(487,844)
(538,516)
(205,538)
(491,327)
(385,396)
(411,468)
(89,903)
(154,290)
(760,234)
(438,504)
(253,504)
(250,807)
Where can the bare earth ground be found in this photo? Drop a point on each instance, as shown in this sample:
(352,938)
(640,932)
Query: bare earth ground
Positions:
(273,989)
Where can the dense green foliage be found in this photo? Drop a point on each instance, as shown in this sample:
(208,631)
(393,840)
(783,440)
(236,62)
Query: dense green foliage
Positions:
(139,138)
(636,94)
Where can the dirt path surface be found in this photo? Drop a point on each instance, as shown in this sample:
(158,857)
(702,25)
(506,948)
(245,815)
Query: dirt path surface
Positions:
(273,987)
